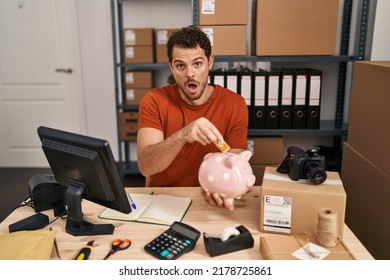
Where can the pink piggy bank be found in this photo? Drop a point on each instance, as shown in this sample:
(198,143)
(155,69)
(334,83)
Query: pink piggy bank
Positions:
(228,174)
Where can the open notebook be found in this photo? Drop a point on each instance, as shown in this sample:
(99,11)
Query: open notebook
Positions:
(155,209)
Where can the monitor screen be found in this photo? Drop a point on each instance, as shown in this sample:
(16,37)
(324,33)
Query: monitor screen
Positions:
(86,167)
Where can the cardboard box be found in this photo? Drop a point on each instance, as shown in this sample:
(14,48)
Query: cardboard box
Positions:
(138,36)
(258,171)
(291,207)
(127,117)
(368,207)
(139,54)
(300,27)
(279,247)
(128,131)
(128,125)
(134,95)
(223,12)
(162,36)
(139,79)
(266,150)
(369,119)
(227,39)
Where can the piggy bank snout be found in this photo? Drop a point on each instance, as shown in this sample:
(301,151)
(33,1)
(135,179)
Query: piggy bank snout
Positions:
(251,181)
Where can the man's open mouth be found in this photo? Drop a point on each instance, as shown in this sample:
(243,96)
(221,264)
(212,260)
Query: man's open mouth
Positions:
(192,87)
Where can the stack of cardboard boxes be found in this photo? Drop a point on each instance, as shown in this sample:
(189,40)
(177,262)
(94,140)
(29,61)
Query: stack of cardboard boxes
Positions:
(290,211)
(128,122)
(271,27)
(138,83)
(225,22)
(146,45)
(365,165)
(235,27)
(139,46)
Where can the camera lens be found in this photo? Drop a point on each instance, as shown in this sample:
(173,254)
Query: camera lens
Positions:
(316,174)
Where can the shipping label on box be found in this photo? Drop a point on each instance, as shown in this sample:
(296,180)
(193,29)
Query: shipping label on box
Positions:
(162,36)
(138,36)
(130,38)
(292,207)
(277,213)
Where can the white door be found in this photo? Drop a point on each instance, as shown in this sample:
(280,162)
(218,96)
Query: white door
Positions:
(40,76)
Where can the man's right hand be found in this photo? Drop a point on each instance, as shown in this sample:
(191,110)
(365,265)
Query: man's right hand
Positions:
(202,131)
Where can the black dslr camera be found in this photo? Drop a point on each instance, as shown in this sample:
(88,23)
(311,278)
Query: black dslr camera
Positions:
(299,164)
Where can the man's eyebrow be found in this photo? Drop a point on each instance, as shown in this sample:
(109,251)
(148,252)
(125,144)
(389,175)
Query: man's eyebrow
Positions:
(199,57)
(194,60)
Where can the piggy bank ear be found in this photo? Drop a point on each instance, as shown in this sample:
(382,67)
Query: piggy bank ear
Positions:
(229,161)
(246,155)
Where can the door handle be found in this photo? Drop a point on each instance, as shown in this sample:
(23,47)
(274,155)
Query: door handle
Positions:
(69,70)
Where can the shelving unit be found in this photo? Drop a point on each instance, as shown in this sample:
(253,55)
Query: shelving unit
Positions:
(336,128)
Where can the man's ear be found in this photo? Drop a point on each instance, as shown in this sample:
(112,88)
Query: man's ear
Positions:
(211,62)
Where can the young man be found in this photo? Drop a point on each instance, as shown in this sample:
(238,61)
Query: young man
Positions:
(179,123)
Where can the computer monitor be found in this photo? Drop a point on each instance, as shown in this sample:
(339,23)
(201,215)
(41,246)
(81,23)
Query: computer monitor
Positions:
(86,167)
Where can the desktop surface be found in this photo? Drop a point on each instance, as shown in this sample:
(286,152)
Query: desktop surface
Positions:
(200,216)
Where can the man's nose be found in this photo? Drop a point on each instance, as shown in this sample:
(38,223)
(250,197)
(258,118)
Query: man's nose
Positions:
(190,72)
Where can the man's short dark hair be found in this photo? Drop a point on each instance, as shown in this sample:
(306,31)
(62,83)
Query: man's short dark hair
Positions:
(189,37)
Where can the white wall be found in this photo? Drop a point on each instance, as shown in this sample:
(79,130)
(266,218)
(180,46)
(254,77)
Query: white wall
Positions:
(97,66)
(381,38)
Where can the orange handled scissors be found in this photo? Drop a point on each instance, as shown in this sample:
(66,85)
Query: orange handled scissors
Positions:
(117,245)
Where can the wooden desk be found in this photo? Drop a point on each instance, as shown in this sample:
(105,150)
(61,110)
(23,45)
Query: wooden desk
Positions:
(200,215)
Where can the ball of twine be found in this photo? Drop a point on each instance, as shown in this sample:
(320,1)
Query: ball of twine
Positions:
(327,229)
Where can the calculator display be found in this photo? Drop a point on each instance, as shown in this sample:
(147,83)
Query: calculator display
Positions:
(184,231)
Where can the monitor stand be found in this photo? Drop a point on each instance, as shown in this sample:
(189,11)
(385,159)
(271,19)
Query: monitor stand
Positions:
(75,224)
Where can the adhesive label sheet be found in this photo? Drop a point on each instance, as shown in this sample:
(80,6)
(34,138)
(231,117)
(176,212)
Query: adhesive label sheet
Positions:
(277,213)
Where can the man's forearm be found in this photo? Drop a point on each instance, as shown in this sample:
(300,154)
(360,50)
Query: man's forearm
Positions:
(156,158)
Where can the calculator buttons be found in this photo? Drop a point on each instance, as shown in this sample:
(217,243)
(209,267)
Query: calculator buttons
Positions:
(167,246)
(172,244)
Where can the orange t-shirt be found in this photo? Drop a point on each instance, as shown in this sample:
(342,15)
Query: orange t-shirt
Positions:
(164,109)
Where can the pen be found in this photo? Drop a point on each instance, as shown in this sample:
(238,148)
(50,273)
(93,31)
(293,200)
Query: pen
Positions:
(132,202)
(85,251)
